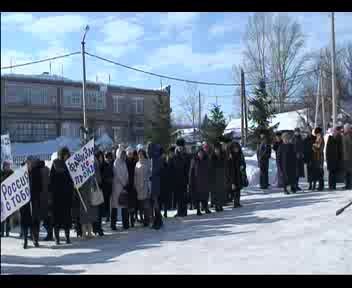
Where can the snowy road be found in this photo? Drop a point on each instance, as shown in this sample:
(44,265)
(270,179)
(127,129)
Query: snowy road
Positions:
(272,233)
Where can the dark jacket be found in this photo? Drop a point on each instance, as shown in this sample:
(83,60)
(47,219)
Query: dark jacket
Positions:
(198,179)
(263,154)
(287,161)
(39,200)
(299,149)
(107,174)
(180,166)
(132,193)
(236,171)
(218,179)
(154,152)
(63,193)
(334,153)
(166,182)
(308,148)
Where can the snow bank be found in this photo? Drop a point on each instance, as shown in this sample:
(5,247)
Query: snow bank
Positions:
(47,147)
(253,172)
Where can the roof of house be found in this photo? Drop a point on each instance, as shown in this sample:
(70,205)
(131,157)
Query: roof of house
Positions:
(286,121)
(63,80)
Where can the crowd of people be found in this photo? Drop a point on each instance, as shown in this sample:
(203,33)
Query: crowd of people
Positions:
(141,183)
(293,153)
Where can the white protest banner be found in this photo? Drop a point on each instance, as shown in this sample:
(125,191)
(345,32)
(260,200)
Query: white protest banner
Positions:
(14,192)
(6,149)
(81,164)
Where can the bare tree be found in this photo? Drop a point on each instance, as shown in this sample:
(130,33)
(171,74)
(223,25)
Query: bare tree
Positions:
(189,103)
(274,52)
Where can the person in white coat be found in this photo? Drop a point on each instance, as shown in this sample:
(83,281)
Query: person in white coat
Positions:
(142,176)
(119,196)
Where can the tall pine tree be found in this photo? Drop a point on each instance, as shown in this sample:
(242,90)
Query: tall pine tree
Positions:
(261,112)
(159,130)
(214,127)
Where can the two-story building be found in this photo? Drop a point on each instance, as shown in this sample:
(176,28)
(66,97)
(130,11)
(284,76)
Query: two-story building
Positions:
(41,107)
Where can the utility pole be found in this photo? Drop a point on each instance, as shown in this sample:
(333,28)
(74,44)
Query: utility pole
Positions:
(84,84)
(200,111)
(322,91)
(242,109)
(317,100)
(333,86)
(243,83)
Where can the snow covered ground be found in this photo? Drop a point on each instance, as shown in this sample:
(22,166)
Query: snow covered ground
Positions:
(272,233)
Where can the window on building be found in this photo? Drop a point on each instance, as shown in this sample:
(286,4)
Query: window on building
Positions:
(118,104)
(99,131)
(138,105)
(70,129)
(17,94)
(72,97)
(96,100)
(117,133)
(37,131)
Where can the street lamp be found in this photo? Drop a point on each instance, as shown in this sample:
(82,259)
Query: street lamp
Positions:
(86,29)
(333,78)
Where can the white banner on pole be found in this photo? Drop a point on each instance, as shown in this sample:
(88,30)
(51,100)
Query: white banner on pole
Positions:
(15,192)
(6,149)
(81,164)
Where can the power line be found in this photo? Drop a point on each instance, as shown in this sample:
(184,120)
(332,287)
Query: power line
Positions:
(292,78)
(40,61)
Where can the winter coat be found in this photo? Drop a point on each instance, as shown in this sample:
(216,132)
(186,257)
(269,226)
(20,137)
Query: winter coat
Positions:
(333,153)
(235,169)
(132,193)
(46,195)
(39,201)
(218,179)
(142,175)
(198,179)
(299,149)
(5,174)
(120,181)
(62,188)
(263,154)
(347,152)
(287,160)
(308,148)
(318,150)
(180,165)
(154,151)
(107,175)
(166,183)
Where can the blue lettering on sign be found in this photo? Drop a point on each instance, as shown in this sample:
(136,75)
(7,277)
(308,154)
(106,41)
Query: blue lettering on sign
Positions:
(4,191)
(8,206)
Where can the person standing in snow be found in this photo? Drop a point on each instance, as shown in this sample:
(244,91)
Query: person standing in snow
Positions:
(263,156)
(154,152)
(5,173)
(333,157)
(318,159)
(287,159)
(181,164)
(132,193)
(277,143)
(218,177)
(107,175)
(62,189)
(308,156)
(166,177)
(47,203)
(299,150)
(119,196)
(347,155)
(236,176)
(99,161)
(142,176)
(198,181)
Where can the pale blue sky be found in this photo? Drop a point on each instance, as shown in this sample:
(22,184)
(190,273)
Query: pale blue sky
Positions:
(197,46)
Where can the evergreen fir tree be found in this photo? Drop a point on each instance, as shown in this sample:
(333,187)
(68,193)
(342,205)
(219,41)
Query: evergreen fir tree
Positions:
(261,112)
(159,130)
(213,128)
